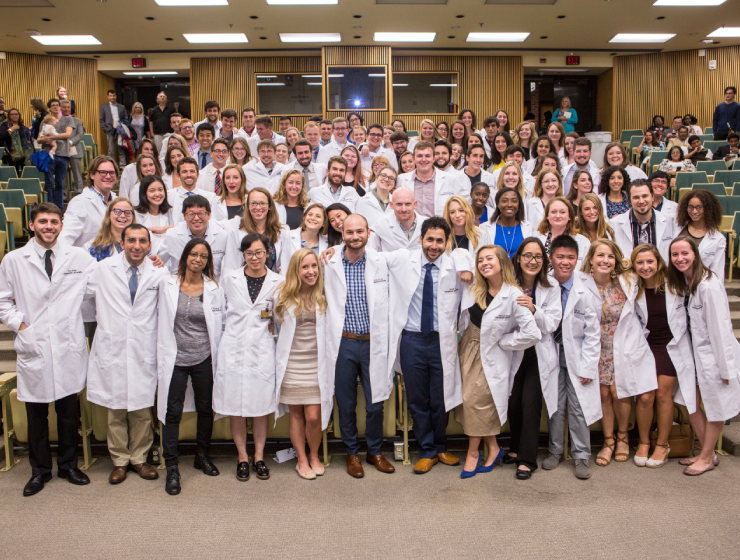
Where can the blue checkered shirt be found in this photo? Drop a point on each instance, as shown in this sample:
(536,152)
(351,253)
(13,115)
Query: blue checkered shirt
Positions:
(356,314)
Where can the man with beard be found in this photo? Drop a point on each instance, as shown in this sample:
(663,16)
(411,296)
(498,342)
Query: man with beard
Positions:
(332,190)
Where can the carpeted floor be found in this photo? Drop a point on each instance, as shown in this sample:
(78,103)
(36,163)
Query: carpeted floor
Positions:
(622,512)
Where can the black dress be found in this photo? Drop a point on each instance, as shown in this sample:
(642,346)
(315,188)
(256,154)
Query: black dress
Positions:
(660,332)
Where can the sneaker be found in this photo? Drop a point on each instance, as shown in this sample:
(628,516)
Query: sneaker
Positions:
(551,462)
(582,470)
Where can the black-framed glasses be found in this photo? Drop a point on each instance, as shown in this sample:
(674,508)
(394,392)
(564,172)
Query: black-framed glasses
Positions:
(119,212)
(529,257)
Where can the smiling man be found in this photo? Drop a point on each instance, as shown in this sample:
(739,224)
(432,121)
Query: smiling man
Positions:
(333,191)
(432,187)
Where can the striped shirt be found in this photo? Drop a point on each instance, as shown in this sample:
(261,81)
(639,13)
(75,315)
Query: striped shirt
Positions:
(356,314)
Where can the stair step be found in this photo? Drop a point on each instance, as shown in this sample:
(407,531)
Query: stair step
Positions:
(7,351)
(734,303)
(733,288)
(7,365)
(735,316)
(6,333)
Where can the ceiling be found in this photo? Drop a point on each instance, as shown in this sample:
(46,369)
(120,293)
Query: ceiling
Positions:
(121,25)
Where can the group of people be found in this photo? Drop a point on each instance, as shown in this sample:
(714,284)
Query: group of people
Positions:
(182,281)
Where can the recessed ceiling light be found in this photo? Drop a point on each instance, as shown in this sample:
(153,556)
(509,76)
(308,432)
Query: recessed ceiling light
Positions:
(357,37)
(642,37)
(311,37)
(270,84)
(45,19)
(266,77)
(153,73)
(460,16)
(314,83)
(67,40)
(688,2)
(660,17)
(561,17)
(168,39)
(253,17)
(301,2)
(707,41)
(192,2)
(496,37)
(726,32)
(543,37)
(357,16)
(376,75)
(450,36)
(215,37)
(336,75)
(404,37)
(442,85)
(400,85)
(263,38)
(310,75)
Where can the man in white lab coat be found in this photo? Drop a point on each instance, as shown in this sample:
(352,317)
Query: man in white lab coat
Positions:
(41,289)
(400,229)
(187,170)
(582,160)
(263,125)
(374,148)
(442,153)
(122,375)
(314,174)
(431,187)
(333,190)
(339,131)
(211,177)
(265,172)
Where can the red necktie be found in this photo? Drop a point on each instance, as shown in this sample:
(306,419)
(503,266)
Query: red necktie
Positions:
(217,183)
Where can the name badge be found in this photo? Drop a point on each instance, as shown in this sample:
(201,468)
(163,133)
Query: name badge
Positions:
(507,317)
(379,280)
(72,271)
(215,309)
(266,313)
(451,291)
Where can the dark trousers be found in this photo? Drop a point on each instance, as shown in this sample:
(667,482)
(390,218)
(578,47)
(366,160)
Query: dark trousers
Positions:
(525,410)
(55,188)
(721,135)
(39,449)
(421,362)
(201,376)
(353,361)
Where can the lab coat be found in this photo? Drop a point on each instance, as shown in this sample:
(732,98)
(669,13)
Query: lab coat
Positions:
(570,170)
(177,196)
(322,195)
(170,250)
(147,220)
(128,179)
(634,173)
(244,384)
(376,289)
(527,178)
(52,353)
(387,234)
(664,233)
(122,373)
(583,245)
(488,232)
(507,329)
(220,212)
(466,187)
(294,245)
(213,309)
(534,211)
(670,209)
(328,151)
(716,351)
(257,175)
(233,256)
(285,332)
(316,171)
(445,186)
(255,140)
(547,315)
(367,162)
(207,179)
(369,207)
(83,218)
(712,250)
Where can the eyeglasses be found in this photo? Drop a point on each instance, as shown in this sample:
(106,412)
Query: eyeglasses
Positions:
(340,129)
(387,178)
(192,215)
(220,152)
(106,173)
(529,257)
(695,208)
(256,255)
(187,127)
(258,204)
(119,212)
(375,134)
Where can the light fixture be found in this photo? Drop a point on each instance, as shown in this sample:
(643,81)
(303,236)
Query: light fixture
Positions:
(192,2)
(404,37)
(310,75)
(442,85)
(271,84)
(376,75)
(302,2)
(496,37)
(358,102)
(400,85)
(642,37)
(265,77)
(721,32)
(215,37)
(153,73)
(688,2)
(67,40)
(558,70)
(314,83)
(336,75)
(311,37)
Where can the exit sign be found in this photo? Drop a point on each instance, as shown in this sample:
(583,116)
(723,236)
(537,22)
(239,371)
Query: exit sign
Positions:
(138,63)
(572,60)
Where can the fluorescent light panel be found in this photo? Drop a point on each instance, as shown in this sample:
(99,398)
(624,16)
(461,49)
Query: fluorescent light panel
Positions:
(689,2)
(192,2)
(266,77)
(67,40)
(558,70)
(215,37)
(400,85)
(302,2)
(642,37)
(726,32)
(442,85)
(336,75)
(270,84)
(154,73)
(376,75)
(311,37)
(314,83)
(404,37)
(497,37)
(310,75)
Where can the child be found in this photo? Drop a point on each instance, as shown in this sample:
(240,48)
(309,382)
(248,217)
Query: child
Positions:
(47,129)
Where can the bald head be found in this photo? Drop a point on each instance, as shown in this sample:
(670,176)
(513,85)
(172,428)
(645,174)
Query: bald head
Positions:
(403,203)
(354,221)
(355,233)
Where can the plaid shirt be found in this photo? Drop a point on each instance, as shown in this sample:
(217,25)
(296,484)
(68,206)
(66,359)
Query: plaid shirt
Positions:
(356,314)
(642,233)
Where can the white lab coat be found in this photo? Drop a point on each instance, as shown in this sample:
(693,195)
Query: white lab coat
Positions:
(570,170)
(214,311)
(664,233)
(534,211)
(207,179)
(128,179)
(244,384)
(52,353)
(328,151)
(170,250)
(295,245)
(716,351)
(285,332)
(258,176)
(376,289)
(488,232)
(485,177)
(316,172)
(369,207)
(177,196)
(529,182)
(634,364)
(387,234)
(255,140)
(583,245)
(634,173)
(507,329)
(547,315)
(122,373)
(445,186)
(83,218)
(322,195)
(712,250)
(670,209)
(147,220)
(233,257)
(367,162)
(220,212)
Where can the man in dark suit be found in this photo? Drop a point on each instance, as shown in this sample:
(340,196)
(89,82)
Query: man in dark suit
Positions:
(731,151)
(111,115)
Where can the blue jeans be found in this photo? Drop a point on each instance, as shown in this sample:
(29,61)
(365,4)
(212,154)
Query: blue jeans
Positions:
(353,360)
(55,189)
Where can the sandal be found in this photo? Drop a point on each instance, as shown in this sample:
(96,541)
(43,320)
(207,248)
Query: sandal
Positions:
(601,461)
(263,473)
(622,457)
(653,464)
(642,461)
(688,461)
(693,472)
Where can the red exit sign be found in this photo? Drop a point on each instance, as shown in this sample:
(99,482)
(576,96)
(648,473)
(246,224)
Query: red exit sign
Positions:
(138,63)
(572,60)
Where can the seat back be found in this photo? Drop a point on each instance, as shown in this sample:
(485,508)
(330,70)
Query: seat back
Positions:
(736,190)
(714,145)
(706,137)
(32,173)
(718,189)
(88,140)
(730,205)
(626,135)
(8,229)
(15,208)
(29,186)
(656,156)
(413,133)
(727,177)
(634,142)
(711,167)
(708,130)
(686,179)
(7,173)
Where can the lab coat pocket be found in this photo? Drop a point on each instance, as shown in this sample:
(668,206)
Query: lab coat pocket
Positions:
(27,349)
(104,344)
(80,345)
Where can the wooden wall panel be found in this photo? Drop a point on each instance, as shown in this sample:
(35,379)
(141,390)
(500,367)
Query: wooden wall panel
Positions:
(23,76)
(672,83)
(104,84)
(605,100)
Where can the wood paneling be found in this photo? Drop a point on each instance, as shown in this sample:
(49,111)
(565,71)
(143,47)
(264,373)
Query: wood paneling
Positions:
(104,84)
(672,83)
(605,100)
(23,76)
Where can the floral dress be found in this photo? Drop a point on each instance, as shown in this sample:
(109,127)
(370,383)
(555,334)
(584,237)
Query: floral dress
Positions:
(616,208)
(612,301)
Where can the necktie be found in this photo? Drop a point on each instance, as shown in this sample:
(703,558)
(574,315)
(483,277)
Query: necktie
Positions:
(558,335)
(188,193)
(47,263)
(217,182)
(133,283)
(427,302)
(203,160)
(305,178)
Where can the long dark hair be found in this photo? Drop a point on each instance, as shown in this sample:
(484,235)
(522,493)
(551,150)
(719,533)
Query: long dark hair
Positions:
(496,158)
(604,184)
(676,279)
(333,236)
(146,182)
(541,278)
(182,267)
(497,212)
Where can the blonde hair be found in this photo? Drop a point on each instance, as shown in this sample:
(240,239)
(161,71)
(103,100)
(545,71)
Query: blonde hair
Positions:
(325,226)
(243,191)
(289,293)
(603,229)
(570,229)
(310,124)
(520,188)
(660,272)
(471,231)
(298,132)
(105,234)
(378,159)
(133,109)
(434,126)
(480,288)
(273,228)
(281,196)
(157,167)
(622,266)
(243,142)
(181,140)
(538,192)
(516,137)
(562,99)
(561,142)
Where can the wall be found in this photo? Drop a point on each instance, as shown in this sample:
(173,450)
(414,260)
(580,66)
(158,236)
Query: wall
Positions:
(670,84)
(605,100)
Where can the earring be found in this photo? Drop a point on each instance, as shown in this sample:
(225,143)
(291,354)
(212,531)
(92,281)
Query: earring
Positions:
(613,274)
(591,272)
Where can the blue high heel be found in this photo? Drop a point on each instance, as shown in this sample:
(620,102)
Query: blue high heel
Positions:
(499,459)
(470,474)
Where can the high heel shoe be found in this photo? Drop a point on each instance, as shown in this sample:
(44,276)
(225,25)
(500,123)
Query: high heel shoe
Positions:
(499,459)
(470,474)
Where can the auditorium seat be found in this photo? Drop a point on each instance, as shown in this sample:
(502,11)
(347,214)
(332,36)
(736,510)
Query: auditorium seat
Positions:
(31,187)
(627,135)
(711,167)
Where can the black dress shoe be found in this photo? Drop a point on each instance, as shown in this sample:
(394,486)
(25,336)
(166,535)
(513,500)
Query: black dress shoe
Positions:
(75,476)
(203,462)
(36,484)
(523,475)
(509,460)
(172,485)
(242,471)
(263,473)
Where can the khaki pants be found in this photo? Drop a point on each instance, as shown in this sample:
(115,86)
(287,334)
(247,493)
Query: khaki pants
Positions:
(129,436)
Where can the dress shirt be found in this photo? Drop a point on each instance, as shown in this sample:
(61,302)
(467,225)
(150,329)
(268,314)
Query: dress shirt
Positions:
(424,193)
(413,323)
(356,313)
(565,292)
(192,148)
(642,233)
(216,127)
(315,153)
(41,252)
(313,176)
(199,158)
(114,114)
(408,232)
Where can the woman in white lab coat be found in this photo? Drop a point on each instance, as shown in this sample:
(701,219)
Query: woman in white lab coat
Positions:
(548,185)
(507,227)
(291,198)
(146,165)
(538,372)
(716,351)
(699,216)
(173,156)
(626,365)
(464,234)
(191,311)
(496,330)
(616,154)
(131,173)
(560,219)
(153,210)
(592,222)
(305,385)
(311,235)
(230,203)
(376,202)
(663,317)
(244,386)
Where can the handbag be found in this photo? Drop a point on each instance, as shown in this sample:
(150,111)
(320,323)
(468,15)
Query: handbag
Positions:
(680,440)
(20,151)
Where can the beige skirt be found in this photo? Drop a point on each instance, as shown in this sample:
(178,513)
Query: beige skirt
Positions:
(478,413)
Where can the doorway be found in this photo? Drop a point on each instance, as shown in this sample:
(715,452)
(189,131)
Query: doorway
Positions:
(542,95)
(145,91)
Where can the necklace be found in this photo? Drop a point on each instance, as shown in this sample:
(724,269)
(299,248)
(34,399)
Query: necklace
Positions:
(508,243)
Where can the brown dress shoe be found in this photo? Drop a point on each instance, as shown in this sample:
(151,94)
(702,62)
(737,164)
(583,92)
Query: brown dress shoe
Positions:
(118,475)
(448,459)
(425,465)
(354,466)
(146,471)
(381,463)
